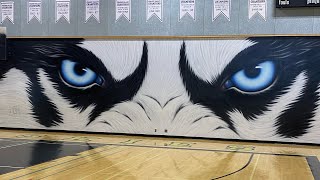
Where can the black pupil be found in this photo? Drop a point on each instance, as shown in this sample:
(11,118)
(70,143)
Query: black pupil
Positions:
(79,69)
(252,72)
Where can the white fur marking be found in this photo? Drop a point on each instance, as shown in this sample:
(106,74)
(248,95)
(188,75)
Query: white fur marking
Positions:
(16,110)
(208,59)
(120,58)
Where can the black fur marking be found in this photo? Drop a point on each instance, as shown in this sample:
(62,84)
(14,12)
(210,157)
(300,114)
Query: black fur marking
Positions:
(166,103)
(291,55)
(123,115)
(171,99)
(142,107)
(201,92)
(220,127)
(182,106)
(121,91)
(154,100)
(106,122)
(43,109)
(296,120)
(3,49)
(5,64)
(304,57)
(29,56)
(200,118)
(22,56)
(4,68)
(293,124)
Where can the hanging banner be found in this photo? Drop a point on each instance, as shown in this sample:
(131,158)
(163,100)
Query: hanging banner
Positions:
(187,7)
(123,9)
(92,10)
(63,10)
(7,11)
(154,8)
(34,11)
(258,7)
(221,7)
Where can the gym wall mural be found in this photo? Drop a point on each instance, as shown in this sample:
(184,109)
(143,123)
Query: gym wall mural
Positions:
(253,89)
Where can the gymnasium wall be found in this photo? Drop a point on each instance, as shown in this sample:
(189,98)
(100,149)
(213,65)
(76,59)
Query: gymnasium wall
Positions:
(255,88)
(278,21)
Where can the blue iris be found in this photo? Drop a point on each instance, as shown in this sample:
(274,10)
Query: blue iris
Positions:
(254,80)
(77,75)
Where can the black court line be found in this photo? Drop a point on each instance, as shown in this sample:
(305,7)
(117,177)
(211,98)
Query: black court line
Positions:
(246,165)
(160,136)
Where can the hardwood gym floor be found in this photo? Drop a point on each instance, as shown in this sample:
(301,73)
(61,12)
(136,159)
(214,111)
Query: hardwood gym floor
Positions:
(56,155)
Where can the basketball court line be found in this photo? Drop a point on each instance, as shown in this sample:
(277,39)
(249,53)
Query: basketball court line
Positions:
(8,139)
(12,167)
(4,147)
(51,142)
(255,167)
(246,165)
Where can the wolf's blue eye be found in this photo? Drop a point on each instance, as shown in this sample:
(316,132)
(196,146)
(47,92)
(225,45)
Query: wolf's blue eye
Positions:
(78,76)
(255,79)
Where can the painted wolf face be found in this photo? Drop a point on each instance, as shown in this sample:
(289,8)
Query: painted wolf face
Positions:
(256,88)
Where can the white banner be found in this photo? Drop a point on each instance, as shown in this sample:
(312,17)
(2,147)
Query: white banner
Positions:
(123,9)
(187,7)
(92,10)
(7,11)
(258,7)
(34,11)
(154,8)
(63,10)
(221,7)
